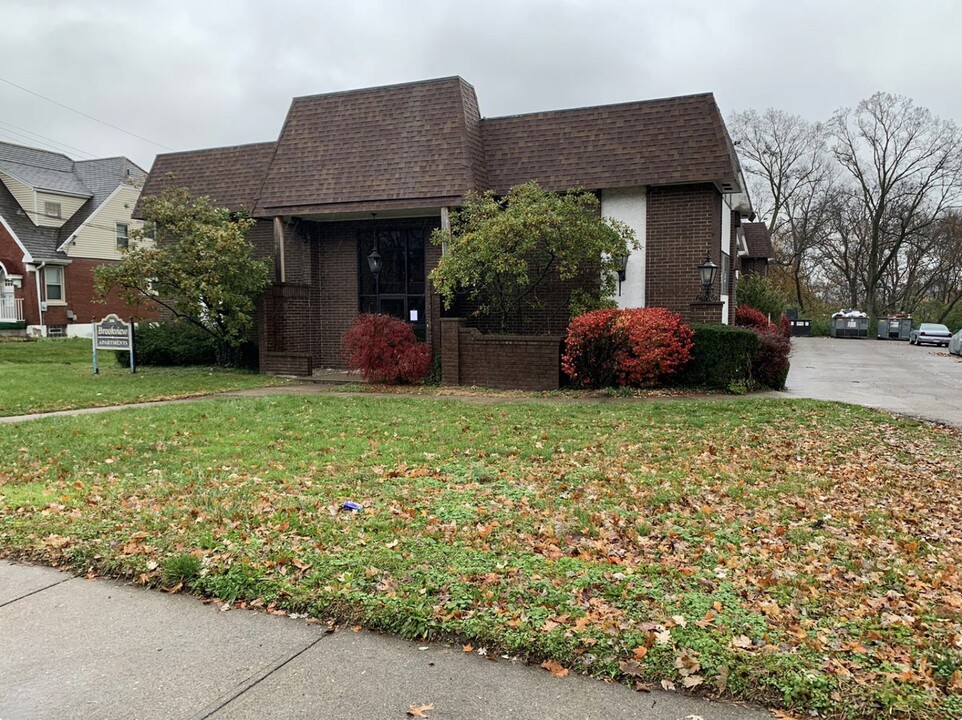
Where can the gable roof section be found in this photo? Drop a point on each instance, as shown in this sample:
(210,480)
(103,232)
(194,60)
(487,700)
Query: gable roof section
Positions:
(670,141)
(40,243)
(44,170)
(758,240)
(41,169)
(230,176)
(418,142)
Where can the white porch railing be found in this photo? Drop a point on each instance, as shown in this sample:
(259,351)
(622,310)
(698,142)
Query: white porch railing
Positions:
(11,309)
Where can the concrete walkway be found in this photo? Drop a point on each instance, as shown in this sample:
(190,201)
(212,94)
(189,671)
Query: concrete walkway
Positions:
(76,648)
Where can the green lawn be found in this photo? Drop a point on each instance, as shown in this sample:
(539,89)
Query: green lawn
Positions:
(788,552)
(58,375)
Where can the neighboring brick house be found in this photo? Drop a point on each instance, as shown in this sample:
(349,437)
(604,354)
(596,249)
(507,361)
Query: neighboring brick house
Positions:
(60,219)
(397,159)
(758,249)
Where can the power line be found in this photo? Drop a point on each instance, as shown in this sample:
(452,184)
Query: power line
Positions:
(90,117)
(42,145)
(44,137)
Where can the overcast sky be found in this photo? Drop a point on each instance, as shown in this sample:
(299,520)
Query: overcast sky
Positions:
(190,73)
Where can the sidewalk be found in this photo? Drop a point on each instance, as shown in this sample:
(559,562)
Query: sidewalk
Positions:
(76,648)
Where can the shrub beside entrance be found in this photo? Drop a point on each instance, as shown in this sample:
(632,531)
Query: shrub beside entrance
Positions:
(385,350)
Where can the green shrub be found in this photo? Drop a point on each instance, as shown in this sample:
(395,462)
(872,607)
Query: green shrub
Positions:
(821,325)
(722,356)
(180,343)
(762,294)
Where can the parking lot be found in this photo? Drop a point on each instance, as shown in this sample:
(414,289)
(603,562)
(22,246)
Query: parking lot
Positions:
(919,381)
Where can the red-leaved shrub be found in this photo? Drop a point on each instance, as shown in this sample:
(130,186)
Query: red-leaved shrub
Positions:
(639,347)
(747,316)
(385,350)
(785,326)
(770,362)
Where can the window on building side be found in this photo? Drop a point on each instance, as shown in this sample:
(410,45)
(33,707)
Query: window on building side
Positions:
(53,278)
(122,240)
(725,268)
(52,209)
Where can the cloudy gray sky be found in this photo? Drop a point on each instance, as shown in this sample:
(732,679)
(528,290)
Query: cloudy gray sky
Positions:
(192,73)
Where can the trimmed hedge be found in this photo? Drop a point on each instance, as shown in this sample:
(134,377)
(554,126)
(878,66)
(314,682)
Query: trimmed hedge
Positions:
(179,343)
(770,362)
(722,357)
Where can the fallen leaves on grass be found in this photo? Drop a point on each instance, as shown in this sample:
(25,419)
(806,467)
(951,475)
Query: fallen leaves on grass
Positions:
(555,668)
(688,547)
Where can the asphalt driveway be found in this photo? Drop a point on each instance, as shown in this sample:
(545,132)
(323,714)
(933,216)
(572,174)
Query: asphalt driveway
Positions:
(923,382)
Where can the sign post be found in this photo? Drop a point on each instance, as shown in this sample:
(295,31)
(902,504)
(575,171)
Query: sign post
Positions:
(112,333)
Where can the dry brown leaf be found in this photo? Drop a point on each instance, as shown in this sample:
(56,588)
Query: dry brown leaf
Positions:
(419,710)
(555,668)
(640,652)
(955,680)
(469,648)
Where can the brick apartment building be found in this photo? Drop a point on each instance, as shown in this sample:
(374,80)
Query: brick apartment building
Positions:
(382,167)
(60,219)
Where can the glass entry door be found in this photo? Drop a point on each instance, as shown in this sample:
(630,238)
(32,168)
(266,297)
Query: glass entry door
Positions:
(399,289)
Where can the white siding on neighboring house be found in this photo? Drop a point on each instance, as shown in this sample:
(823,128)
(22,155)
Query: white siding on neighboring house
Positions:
(69,204)
(23,194)
(630,206)
(97,237)
(726,247)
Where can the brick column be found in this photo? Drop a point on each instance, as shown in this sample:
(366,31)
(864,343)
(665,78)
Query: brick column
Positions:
(706,312)
(451,350)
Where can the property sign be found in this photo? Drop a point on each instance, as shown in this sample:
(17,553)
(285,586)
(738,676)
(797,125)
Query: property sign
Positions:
(112,333)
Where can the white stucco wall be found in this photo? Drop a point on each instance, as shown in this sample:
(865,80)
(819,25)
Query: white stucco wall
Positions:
(726,245)
(630,206)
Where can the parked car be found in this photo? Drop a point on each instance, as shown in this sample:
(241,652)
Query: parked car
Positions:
(955,344)
(933,333)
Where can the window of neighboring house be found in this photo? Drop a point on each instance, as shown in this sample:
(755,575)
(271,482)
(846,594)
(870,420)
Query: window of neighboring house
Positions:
(52,209)
(122,240)
(53,279)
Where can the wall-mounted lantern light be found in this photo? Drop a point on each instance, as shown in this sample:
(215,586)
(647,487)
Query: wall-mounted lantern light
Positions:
(706,272)
(621,265)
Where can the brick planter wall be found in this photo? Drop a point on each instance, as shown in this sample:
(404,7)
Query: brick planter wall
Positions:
(705,312)
(510,362)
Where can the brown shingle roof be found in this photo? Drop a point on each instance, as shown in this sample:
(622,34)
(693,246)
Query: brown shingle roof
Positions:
(654,142)
(230,176)
(417,141)
(758,240)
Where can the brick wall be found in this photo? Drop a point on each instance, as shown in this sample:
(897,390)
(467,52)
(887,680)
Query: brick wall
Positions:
(11,256)
(519,362)
(754,266)
(683,222)
(80,296)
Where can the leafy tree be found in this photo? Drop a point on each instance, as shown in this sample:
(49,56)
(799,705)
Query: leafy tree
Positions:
(201,269)
(501,251)
(760,293)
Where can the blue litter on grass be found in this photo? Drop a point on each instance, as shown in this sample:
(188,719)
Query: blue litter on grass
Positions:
(351,505)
